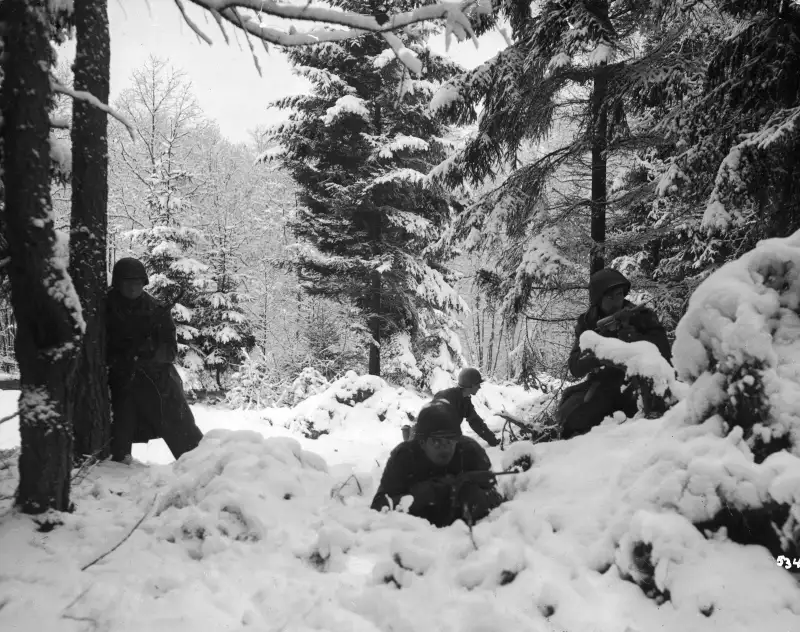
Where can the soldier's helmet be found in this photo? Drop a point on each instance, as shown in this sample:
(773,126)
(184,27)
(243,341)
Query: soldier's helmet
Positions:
(437,419)
(128,268)
(469,377)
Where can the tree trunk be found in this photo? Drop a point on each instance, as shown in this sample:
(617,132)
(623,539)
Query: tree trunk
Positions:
(375,325)
(45,305)
(490,349)
(477,330)
(88,227)
(598,204)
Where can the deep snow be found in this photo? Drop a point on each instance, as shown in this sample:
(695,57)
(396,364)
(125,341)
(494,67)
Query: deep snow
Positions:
(262,528)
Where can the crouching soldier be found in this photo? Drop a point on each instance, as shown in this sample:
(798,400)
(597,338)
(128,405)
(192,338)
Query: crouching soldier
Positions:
(460,398)
(585,405)
(147,396)
(448,475)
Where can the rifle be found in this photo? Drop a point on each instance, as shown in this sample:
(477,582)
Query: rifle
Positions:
(612,324)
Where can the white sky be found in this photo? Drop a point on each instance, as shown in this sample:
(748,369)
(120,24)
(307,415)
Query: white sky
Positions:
(225,79)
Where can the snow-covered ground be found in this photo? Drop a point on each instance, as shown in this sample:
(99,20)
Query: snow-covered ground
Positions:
(263,528)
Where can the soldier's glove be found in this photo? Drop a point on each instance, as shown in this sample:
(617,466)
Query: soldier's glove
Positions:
(492,441)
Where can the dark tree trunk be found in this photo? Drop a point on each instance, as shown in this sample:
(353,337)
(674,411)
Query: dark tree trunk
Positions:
(599,144)
(375,279)
(375,325)
(376,308)
(44,301)
(88,227)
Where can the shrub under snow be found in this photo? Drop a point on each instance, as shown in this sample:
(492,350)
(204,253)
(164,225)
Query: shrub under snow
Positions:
(726,458)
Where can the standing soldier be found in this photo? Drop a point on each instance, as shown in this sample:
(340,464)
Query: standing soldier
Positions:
(147,396)
(459,397)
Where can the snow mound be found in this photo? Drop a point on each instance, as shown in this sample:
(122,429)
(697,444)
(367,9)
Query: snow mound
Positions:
(254,532)
(667,556)
(210,496)
(352,400)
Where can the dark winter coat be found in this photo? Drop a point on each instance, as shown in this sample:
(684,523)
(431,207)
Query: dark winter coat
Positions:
(463,406)
(147,392)
(409,472)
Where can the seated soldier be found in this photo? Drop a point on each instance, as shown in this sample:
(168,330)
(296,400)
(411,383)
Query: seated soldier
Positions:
(460,398)
(433,468)
(147,399)
(585,405)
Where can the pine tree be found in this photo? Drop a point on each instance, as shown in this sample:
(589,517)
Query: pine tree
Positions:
(360,148)
(558,120)
(731,176)
(183,207)
(167,247)
(721,174)
(228,212)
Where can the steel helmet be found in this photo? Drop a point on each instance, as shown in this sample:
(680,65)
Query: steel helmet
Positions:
(437,419)
(469,377)
(128,268)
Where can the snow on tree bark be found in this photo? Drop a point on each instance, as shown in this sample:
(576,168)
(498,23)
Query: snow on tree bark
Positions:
(45,305)
(88,224)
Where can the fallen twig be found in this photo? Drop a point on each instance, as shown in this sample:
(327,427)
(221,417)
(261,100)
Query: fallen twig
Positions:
(121,542)
(469,521)
(337,491)
(8,417)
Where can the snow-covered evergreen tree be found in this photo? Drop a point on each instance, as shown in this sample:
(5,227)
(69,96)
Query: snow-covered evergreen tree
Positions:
(185,190)
(729,175)
(561,109)
(360,148)
(227,212)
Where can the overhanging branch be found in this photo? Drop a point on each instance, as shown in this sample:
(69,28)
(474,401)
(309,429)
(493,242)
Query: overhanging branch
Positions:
(457,22)
(83,95)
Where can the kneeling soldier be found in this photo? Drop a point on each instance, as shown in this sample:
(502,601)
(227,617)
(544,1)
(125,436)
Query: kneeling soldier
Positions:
(447,474)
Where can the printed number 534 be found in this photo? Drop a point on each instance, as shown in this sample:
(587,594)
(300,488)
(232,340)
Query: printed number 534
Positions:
(787,562)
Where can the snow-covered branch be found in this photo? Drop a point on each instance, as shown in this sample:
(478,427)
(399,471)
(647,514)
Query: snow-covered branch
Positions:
(93,100)
(192,24)
(457,22)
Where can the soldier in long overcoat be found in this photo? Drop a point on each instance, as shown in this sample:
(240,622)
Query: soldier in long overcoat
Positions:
(147,397)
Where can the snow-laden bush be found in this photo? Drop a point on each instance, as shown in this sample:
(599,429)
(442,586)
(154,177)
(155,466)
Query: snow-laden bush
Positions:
(209,498)
(308,383)
(727,458)
(739,346)
(351,400)
(319,414)
(424,363)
